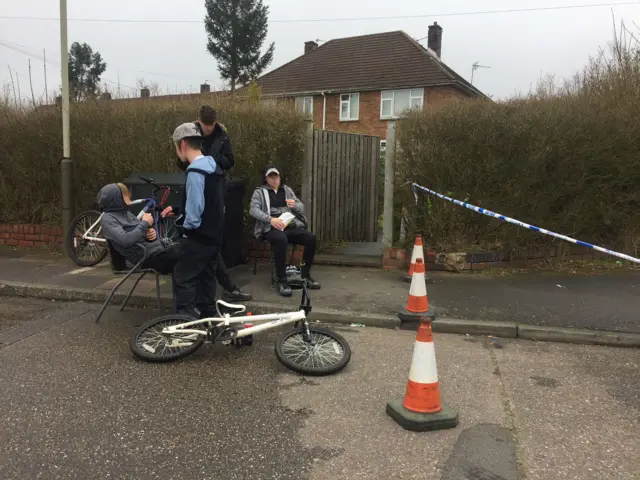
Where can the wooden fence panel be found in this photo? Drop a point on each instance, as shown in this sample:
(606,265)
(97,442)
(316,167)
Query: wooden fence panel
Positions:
(345,186)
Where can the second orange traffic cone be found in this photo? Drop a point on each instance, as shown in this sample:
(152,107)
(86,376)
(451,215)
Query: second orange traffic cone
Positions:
(418,302)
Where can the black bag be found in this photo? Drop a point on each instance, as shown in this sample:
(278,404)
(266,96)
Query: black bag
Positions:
(303,219)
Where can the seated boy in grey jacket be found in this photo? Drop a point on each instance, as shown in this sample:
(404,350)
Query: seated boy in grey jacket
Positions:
(269,201)
(125,232)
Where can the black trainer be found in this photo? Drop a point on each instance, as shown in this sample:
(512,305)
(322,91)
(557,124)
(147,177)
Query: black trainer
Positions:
(311,283)
(283,288)
(236,295)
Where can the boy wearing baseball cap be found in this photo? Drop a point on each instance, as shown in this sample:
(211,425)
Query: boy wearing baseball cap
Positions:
(203,207)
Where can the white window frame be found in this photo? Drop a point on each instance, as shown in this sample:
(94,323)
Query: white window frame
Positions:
(350,117)
(414,94)
(302,103)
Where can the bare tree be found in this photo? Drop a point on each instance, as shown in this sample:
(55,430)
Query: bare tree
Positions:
(153,87)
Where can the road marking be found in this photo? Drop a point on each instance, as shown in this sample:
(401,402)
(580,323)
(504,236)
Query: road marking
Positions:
(80,270)
(85,269)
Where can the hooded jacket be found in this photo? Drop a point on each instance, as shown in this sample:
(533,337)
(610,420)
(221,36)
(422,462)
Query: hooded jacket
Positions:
(122,228)
(260,207)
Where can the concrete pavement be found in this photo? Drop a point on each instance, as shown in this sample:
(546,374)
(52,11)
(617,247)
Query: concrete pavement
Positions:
(76,405)
(604,302)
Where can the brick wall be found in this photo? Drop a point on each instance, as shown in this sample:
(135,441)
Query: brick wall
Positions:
(26,235)
(369,121)
(262,250)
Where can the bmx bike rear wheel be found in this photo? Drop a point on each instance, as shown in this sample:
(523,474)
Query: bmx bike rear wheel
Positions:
(148,343)
(326,353)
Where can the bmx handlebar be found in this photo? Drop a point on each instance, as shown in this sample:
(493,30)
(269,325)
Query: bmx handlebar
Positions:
(152,182)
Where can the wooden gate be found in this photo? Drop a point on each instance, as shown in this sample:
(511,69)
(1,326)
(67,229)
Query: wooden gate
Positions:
(345,181)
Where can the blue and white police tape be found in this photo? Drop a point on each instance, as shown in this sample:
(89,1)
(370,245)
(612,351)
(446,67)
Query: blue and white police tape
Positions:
(522,224)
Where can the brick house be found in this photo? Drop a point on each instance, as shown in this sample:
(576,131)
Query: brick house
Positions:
(357,84)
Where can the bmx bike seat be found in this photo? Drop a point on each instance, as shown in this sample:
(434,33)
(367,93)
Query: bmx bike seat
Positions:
(225,307)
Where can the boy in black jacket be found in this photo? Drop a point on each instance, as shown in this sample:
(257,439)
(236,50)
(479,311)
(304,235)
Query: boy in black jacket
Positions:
(217,143)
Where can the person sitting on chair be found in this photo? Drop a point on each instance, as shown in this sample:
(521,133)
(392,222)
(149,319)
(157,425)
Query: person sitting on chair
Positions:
(269,201)
(126,233)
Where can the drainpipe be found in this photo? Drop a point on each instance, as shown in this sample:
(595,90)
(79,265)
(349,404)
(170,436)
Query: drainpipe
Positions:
(324,111)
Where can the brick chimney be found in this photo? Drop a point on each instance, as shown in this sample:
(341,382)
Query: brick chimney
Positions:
(205,88)
(310,46)
(145,92)
(434,41)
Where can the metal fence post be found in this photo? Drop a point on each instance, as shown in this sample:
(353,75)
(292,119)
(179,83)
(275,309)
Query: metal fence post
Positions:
(307,174)
(389,174)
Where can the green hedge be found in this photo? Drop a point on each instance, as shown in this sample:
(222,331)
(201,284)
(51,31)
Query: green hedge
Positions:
(567,161)
(112,139)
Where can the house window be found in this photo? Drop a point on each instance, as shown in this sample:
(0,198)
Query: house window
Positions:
(305,105)
(393,103)
(349,107)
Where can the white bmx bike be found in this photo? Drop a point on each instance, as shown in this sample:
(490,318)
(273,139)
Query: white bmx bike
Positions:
(307,349)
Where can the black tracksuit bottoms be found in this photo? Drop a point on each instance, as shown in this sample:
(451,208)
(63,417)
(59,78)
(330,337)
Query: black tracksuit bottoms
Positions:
(195,277)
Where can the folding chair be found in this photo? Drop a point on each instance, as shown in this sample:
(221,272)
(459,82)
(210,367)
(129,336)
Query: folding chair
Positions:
(119,267)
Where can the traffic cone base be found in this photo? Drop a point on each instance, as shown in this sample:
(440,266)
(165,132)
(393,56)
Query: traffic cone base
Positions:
(421,422)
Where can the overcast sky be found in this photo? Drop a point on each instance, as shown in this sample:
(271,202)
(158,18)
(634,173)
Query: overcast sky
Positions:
(519,47)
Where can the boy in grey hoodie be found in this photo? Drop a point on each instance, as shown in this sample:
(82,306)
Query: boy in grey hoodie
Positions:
(268,203)
(125,232)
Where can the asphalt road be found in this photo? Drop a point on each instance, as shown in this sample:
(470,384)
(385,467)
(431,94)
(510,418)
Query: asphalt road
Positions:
(76,405)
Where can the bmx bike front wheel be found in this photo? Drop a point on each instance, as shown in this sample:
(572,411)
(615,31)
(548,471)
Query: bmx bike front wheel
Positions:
(326,353)
(148,343)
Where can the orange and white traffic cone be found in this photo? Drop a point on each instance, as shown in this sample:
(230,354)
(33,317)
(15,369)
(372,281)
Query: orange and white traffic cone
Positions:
(423,394)
(421,409)
(418,252)
(418,302)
